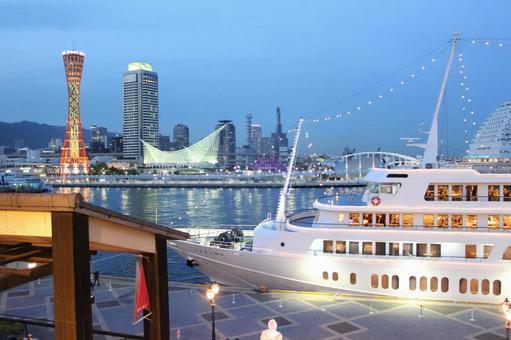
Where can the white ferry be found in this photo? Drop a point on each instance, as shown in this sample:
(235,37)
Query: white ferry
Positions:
(425,233)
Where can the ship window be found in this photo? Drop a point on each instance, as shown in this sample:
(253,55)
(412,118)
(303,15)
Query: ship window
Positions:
(433,284)
(354,218)
(496,287)
(397,176)
(442,221)
(507,254)
(380,248)
(394,248)
(430,193)
(395,282)
(367,219)
(443,192)
(470,251)
(325,275)
(380,220)
(471,192)
(328,246)
(506,221)
(493,221)
(422,249)
(394,220)
(456,221)
(367,248)
(374,281)
(428,220)
(423,283)
(340,218)
(463,286)
(340,247)
(444,285)
(493,192)
(485,287)
(412,283)
(354,248)
(456,192)
(436,250)
(353,278)
(487,250)
(472,221)
(385,281)
(407,220)
(507,192)
(335,276)
(389,188)
(407,249)
(474,286)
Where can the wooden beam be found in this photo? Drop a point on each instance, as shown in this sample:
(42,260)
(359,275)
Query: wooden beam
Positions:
(71,277)
(155,267)
(11,281)
(19,257)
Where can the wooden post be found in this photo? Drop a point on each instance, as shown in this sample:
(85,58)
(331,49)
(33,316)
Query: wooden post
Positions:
(71,276)
(155,266)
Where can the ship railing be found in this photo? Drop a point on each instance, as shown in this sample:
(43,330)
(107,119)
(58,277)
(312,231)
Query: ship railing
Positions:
(316,252)
(465,198)
(351,199)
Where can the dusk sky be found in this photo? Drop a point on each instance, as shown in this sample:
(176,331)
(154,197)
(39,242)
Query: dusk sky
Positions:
(222,59)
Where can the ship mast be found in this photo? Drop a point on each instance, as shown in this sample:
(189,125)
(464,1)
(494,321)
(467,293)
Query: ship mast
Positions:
(281,210)
(430,157)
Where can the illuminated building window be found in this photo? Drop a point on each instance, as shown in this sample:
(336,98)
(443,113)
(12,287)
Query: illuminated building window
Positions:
(395,282)
(428,220)
(444,285)
(354,219)
(340,218)
(493,221)
(328,246)
(407,249)
(507,192)
(367,219)
(367,248)
(374,281)
(463,286)
(325,275)
(456,192)
(471,192)
(412,283)
(506,221)
(470,251)
(496,287)
(407,220)
(380,220)
(335,276)
(474,286)
(485,287)
(394,248)
(472,221)
(422,249)
(430,193)
(443,192)
(435,250)
(385,281)
(423,283)
(380,248)
(493,192)
(354,248)
(442,221)
(340,247)
(456,221)
(394,220)
(353,278)
(433,284)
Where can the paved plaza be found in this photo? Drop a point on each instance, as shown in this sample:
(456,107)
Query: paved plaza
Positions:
(244,314)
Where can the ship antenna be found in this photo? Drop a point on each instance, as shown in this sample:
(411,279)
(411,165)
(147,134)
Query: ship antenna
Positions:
(430,157)
(281,210)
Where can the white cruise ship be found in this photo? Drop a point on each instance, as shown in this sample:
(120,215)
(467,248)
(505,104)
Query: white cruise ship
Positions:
(426,233)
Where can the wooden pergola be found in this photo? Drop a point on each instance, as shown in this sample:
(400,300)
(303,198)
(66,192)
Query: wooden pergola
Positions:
(56,233)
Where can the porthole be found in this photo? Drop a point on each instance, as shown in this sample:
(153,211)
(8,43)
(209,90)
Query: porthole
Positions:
(496,287)
(463,286)
(325,275)
(353,278)
(433,284)
(444,285)
(423,283)
(485,287)
(395,282)
(335,276)
(374,281)
(385,281)
(474,286)
(412,283)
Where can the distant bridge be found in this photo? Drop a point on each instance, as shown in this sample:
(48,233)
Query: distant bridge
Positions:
(357,165)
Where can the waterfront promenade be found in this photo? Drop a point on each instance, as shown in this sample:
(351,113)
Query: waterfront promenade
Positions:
(243,314)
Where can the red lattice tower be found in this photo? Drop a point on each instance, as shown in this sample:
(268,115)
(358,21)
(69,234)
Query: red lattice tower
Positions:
(73,160)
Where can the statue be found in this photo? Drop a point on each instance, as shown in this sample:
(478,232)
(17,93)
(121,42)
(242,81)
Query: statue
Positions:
(271,333)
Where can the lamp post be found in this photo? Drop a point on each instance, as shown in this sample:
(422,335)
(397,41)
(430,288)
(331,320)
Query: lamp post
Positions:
(506,308)
(211,293)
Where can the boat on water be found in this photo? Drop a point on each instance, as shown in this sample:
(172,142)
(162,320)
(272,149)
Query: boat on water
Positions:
(423,233)
(22,183)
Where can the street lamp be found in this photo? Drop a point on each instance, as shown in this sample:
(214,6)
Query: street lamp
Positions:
(211,293)
(506,308)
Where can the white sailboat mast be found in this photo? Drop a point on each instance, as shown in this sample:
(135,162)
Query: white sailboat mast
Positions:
(281,210)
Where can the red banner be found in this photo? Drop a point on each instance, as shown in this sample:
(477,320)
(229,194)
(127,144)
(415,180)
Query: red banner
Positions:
(141,293)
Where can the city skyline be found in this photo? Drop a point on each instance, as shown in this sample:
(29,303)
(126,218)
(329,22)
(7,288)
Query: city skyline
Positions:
(303,63)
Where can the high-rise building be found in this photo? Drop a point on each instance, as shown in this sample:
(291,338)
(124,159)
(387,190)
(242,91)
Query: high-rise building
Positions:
(116,144)
(256,134)
(73,159)
(164,143)
(280,142)
(98,139)
(226,143)
(249,129)
(141,118)
(181,136)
